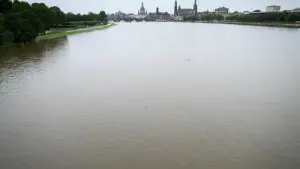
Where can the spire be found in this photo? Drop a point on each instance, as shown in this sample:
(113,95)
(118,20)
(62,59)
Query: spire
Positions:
(142,7)
(175,8)
(196,7)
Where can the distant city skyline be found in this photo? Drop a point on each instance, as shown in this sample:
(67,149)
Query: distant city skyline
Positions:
(132,6)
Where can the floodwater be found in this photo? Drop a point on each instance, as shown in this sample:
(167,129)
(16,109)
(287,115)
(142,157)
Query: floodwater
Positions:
(153,96)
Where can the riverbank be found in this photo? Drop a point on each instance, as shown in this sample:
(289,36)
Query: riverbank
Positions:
(279,25)
(62,33)
(73,31)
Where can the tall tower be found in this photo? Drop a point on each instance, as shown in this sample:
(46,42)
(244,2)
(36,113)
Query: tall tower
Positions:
(175,9)
(196,7)
(142,11)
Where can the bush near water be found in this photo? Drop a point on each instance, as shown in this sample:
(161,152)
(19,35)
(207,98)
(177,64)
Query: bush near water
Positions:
(21,22)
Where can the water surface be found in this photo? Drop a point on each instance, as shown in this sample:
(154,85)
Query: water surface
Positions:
(153,96)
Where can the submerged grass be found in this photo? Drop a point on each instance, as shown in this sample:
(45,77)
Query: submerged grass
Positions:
(74,31)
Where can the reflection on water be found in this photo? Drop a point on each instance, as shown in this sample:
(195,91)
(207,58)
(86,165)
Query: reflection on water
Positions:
(18,63)
(153,95)
(31,52)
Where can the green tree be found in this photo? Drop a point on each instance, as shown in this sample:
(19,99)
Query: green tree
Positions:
(91,16)
(6,37)
(78,17)
(34,21)
(44,14)
(59,16)
(5,5)
(266,17)
(210,17)
(102,16)
(20,24)
(218,17)
(70,17)
(19,6)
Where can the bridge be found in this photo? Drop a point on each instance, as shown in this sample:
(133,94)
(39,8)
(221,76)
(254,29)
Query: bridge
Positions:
(132,20)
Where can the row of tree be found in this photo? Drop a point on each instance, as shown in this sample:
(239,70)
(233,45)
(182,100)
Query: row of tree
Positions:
(253,17)
(71,17)
(266,17)
(210,17)
(21,22)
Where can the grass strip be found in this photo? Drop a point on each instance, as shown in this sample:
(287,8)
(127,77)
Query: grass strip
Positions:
(70,32)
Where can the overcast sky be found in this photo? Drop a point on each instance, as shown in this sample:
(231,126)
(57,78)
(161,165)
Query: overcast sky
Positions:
(132,6)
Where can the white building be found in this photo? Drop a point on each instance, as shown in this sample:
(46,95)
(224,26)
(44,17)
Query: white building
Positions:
(273,8)
(178,18)
(117,16)
(222,10)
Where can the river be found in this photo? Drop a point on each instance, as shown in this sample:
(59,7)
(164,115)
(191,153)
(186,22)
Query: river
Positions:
(153,96)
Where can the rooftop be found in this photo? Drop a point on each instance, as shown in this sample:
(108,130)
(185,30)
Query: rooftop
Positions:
(223,7)
(186,9)
(273,6)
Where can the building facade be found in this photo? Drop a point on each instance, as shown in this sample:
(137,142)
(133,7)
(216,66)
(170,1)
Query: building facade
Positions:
(296,10)
(221,10)
(142,10)
(117,16)
(273,8)
(159,15)
(186,12)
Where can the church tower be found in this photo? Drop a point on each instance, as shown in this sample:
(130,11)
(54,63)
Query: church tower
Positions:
(175,9)
(142,11)
(195,7)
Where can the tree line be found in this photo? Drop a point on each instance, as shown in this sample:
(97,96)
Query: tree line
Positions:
(256,16)
(288,17)
(210,17)
(21,22)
